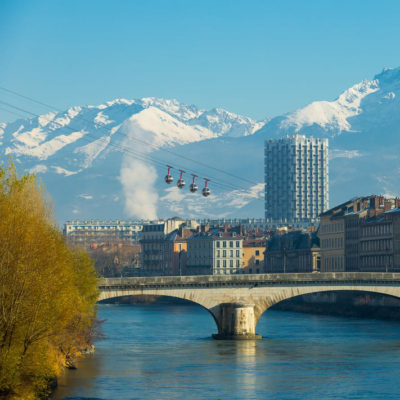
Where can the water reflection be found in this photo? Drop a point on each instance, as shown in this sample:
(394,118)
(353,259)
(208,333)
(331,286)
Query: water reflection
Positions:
(166,352)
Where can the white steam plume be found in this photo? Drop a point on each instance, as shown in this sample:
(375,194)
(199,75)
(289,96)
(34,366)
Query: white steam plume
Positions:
(138,177)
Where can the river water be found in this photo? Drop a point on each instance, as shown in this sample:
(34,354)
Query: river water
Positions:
(165,351)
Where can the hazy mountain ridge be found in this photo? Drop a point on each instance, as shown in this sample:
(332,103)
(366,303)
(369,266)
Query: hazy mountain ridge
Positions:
(80,149)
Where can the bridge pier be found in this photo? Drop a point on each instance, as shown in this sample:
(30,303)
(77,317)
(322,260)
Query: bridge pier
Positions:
(236,322)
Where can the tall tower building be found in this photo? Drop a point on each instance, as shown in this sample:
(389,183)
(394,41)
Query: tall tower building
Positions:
(296,180)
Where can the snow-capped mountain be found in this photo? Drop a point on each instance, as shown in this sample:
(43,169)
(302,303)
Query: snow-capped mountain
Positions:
(352,107)
(102,157)
(108,161)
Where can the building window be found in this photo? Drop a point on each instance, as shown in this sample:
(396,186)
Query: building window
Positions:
(218,244)
(237,253)
(230,244)
(257,252)
(224,253)
(237,263)
(231,263)
(218,264)
(237,244)
(217,253)
(224,263)
(250,270)
(257,262)
(223,244)
(231,253)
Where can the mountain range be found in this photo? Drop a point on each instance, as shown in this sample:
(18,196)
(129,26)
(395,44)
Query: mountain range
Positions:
(109,161)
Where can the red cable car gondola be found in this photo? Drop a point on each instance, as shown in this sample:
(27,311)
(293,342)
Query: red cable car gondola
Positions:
(181,182)
(168,178)
(206,191)
(193,187)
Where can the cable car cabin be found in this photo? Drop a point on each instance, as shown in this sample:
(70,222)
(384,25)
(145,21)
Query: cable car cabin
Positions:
(193,187)
(206,192)
(168,178)
(181,182)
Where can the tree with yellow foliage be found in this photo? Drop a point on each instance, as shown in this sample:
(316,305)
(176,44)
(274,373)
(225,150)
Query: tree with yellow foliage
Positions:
(47,291)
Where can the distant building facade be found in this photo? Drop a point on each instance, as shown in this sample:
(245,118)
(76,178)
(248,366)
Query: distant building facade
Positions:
(360,235)
(296,180)
(253,256)
(376,244)
(152,242)
(84,233)
(175,250)
(293,252)
(216,251)
(153,258)
(247,223)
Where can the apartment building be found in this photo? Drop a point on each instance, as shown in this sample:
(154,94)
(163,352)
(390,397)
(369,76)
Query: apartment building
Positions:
(253,256)
(394,216)
(358,235)
(152,242)
(332,236)
(153,246)
(84,233)
(352,222)
(296,180)
(216,251)
(175,250)
(376,244)
(293,252)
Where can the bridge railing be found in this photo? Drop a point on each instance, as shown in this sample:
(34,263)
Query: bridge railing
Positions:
(259,279)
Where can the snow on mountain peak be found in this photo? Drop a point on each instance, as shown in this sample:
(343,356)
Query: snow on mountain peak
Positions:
(166,130)
(178,110)
(225,123)
(332,116)
(113,103)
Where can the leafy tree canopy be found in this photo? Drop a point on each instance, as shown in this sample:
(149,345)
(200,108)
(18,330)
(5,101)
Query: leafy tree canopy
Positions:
(47,291)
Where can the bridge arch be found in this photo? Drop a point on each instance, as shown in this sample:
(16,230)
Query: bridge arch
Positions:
(191,296)
(266,302)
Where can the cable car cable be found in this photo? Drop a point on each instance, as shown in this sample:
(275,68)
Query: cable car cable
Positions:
(123,149)
(142,141)
(235,187)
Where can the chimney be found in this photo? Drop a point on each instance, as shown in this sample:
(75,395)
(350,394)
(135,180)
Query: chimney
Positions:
(373,203)
(225,228)
(388,206)
(240,229)
(198,229)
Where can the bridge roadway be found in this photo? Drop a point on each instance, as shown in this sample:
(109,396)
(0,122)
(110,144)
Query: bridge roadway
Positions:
(237,301)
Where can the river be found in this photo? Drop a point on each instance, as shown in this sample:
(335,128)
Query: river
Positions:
(165,351)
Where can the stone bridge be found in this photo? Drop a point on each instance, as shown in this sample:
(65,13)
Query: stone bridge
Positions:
(237,301)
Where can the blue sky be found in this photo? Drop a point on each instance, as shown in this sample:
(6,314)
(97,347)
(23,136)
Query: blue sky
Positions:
(255,58)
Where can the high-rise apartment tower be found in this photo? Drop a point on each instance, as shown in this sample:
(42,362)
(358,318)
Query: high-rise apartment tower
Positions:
(296,180)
